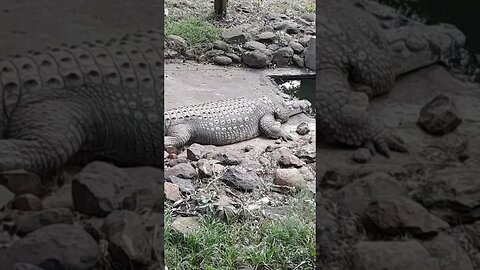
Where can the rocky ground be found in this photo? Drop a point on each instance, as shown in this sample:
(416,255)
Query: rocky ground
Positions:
(257,34)
(415,210)
(96,217)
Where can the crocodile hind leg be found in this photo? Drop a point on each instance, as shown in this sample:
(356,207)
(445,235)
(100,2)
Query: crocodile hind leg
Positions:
(43,136)
(177,136)
(272,128)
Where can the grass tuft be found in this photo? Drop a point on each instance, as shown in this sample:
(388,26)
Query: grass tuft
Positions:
(196,31)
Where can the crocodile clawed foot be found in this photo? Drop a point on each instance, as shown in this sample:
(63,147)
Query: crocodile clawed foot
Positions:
(385,144)
(285,137)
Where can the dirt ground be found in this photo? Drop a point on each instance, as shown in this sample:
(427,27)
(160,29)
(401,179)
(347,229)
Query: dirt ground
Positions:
(32,25)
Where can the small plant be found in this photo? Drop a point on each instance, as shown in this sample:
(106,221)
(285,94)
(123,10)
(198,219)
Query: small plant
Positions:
(311,7)
(196,31)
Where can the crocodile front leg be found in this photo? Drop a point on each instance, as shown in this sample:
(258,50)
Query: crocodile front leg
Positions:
(272,128)
(177,135)
(43,136)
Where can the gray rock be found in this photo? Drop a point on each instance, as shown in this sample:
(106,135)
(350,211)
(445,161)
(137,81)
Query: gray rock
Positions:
(171,54)
(439,116)
(398,215)
(241,179)
(297,47)
(235,35)
(292,28)
(309,17)
(362,155)
(222,60)
(22,182)
(220,45)
(310,58)
(298,61)
(286,161)
(452,192)
(62,198)
(209,167)
(449,252)
(176,43)
(257,59)
(290,178)
(302,129)
(56,246)
(195,152)
(27,202)
(129,242)
(235,58)
(254,45)
(182,170)
(228,158)
(213,53)
(5,196)
(356,197)
(25,266)
(185,185)
(273,47)
(282,56)
(393,255)
(266,37)
(36,220)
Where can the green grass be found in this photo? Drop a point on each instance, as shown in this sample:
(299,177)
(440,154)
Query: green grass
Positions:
(281,243)
(311,7)
(196,31)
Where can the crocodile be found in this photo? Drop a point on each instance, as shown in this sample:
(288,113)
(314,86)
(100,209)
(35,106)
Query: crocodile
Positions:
(92,101)
(230,121)
(355,53)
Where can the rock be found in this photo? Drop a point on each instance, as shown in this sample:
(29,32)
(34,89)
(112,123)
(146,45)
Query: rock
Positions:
(297,47)
(280,25)
(282,56)
(439,116)
(172,192)
(266,37)
(224,207)
(185,185)
(182,170)
(452,193)
(213,53)
(307,155)
(290,178)
(392,255)
(362,155)
(298,61)
(273,47)
(304,40)
(129,242)
(292,28)
(25,266)
(176,43)
(228,158)
(22,182)
(307,173)
(27,202)
(473,231)
(309,17)
(186,225)
(448,252)
(302,129)
(33,221)
(235,35)
(177,161)
(240,179)
(235,58)
(310,58)
(398,215)
(356,197)
(146,185)
(58,246)
(5,196)
(220,45)
(62,198)
(257,59)
(222,60)
(171,54)
(254,45)
(96,194)
(191,54)
(252,165)
(209,168)
(291,160)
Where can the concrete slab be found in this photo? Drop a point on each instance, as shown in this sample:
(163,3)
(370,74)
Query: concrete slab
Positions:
(192,83)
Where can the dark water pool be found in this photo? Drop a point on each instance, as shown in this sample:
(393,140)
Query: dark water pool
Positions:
(302,87)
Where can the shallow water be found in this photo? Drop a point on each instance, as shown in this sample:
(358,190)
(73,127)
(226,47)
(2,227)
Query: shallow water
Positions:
(301,88)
